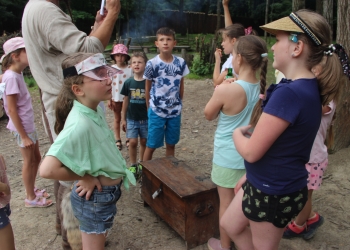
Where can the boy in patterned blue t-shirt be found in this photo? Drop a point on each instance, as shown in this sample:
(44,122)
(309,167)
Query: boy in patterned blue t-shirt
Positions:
(164,92)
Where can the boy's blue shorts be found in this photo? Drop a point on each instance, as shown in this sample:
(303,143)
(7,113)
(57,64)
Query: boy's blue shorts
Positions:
(158,127)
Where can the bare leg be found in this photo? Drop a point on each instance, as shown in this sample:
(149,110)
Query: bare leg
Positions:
(6,238)
(133,150)
(265,235)
(226,196)
(36,161)
(170,150)
(142,147)
(148,154)
(27,172)
(236,224)
(93,241)
(307,212)
(117,118)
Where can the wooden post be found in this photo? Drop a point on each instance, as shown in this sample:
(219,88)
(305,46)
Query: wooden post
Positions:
(183,53)
(128,42)
(146,50)
(341,127)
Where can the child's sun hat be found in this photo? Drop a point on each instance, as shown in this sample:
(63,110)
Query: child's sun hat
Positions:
(292,23)
(12,45)
(94,67)
(120,49)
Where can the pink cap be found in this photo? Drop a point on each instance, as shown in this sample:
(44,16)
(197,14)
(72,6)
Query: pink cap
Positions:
(120,49)
(12,45)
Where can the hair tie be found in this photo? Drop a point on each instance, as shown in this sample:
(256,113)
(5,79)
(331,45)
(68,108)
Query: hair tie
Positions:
(248,30)
(343,57)
(264,55)
(262,97)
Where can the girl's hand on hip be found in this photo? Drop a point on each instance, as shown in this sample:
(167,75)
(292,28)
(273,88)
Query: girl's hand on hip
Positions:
(87,185)
(27,142)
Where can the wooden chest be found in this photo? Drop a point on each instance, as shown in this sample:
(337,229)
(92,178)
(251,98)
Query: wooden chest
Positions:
(183,198)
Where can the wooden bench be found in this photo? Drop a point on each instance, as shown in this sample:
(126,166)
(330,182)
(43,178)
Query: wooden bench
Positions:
(145,48)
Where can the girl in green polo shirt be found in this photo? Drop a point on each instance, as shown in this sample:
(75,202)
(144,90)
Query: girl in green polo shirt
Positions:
(85,150)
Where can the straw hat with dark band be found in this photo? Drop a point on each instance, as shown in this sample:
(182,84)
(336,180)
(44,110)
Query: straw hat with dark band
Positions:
(292,23)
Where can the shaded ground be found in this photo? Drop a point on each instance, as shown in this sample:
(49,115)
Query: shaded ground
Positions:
(137,227)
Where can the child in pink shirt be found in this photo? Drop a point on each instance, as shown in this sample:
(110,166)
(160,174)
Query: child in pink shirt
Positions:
(6,233)
(18,106)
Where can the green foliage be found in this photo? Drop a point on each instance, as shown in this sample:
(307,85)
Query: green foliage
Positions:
(31,83)
(81,15)
(201,68)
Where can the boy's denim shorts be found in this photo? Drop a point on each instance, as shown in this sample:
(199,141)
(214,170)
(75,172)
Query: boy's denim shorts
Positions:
(33,136)
(135,128)
(96,215)
(160,127)
(4,216)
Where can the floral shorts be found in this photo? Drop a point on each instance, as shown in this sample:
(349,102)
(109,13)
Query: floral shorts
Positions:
(315,171)
(33,136)
(4,216)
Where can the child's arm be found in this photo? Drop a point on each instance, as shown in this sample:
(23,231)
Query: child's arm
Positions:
(267,130)
(52,168)
(218,77)
(4,189)
(12,112)
(182,88)
(214,105)
(227,15)
(124,110)
(147,90)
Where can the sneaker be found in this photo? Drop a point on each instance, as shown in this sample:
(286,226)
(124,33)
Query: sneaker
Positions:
(136,169)
(215,244)
(292,231)
(313,224)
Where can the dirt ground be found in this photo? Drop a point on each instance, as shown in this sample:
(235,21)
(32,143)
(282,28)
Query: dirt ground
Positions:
(137,227)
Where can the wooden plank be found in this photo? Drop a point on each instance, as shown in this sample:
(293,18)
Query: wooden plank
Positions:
(167,204)
(177,176)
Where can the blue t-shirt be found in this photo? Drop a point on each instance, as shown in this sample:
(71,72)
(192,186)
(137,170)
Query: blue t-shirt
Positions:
(165,98)
(282,169)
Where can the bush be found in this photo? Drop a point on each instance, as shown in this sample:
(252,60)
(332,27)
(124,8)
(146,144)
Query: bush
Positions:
(31,83)
(200,67)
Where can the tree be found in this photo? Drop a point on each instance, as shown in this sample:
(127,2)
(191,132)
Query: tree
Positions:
(328,12)
(341,126)
(319,6)
(298,4)
(266,16)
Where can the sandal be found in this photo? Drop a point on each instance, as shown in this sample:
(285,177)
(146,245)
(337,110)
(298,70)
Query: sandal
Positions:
(127,144)
(119,144)
(41,193)
(38,202)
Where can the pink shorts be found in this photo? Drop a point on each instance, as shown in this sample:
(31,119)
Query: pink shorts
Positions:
(315,171)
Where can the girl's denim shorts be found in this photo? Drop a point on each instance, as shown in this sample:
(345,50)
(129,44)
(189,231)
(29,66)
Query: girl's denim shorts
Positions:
(96,215)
